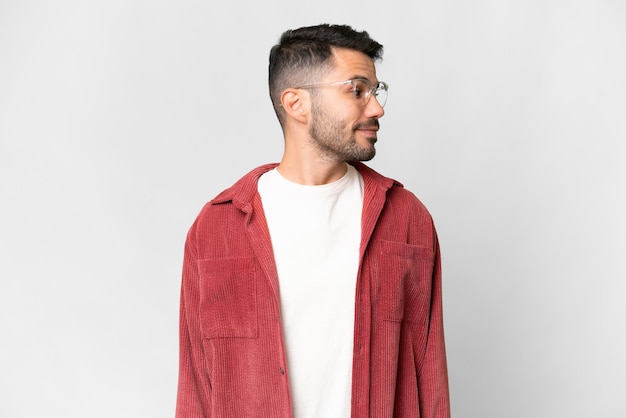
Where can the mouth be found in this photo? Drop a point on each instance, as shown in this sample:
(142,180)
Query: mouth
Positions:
(370,135)
(369,129)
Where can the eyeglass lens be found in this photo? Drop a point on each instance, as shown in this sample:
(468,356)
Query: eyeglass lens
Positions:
(363,91)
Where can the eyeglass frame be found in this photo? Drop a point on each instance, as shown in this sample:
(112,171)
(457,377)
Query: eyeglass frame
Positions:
(372,91)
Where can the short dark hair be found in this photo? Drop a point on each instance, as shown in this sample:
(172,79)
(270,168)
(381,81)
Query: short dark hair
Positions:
(303,53)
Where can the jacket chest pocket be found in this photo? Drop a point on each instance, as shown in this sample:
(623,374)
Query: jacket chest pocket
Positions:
(403,282)
(228,305)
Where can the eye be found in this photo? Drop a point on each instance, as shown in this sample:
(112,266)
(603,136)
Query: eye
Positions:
(359,88)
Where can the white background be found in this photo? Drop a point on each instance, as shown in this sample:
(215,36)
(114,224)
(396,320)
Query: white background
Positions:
(119,119)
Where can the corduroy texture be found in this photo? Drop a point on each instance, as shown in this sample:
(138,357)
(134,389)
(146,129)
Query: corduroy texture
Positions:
(232,354)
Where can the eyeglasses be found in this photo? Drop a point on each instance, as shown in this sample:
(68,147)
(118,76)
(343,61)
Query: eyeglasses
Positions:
(362,90)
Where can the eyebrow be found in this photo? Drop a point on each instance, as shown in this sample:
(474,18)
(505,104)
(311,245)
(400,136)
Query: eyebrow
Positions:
(362,77)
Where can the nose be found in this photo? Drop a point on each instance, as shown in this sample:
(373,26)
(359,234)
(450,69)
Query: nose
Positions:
(373,109)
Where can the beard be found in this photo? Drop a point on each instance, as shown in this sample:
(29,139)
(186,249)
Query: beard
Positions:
(336,140)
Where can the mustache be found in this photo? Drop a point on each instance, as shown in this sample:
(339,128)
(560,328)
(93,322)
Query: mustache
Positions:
(372,123)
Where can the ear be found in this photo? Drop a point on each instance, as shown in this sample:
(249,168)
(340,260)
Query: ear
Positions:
(295,102)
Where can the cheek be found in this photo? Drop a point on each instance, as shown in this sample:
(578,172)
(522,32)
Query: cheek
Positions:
(348,117)
(345,110)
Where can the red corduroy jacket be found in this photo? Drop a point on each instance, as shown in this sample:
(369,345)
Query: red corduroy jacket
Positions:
(232,351)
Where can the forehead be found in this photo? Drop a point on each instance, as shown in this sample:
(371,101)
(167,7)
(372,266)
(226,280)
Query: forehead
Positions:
(348,63)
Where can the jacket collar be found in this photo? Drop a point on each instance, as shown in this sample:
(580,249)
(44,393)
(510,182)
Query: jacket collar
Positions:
(244,190)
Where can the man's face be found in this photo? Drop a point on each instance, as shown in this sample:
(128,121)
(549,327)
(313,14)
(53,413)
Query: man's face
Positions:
(343,128)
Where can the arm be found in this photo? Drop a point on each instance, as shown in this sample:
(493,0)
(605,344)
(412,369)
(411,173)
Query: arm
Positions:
(433,375)
(194,389)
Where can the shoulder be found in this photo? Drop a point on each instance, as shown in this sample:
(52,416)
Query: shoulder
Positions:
(244,189)
(236,200)
(405,197)
(396,195)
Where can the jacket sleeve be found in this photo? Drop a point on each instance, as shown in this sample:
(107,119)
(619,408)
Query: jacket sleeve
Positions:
(194,390)
(433,390)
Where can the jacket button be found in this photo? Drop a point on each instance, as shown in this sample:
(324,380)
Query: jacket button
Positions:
(282,371)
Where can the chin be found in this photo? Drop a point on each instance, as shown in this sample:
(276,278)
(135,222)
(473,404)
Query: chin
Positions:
(367,157)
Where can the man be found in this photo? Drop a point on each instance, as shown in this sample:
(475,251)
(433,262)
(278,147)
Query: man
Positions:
(312,288)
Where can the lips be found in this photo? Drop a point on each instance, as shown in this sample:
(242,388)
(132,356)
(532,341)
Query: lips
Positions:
(369,129)
(370,136)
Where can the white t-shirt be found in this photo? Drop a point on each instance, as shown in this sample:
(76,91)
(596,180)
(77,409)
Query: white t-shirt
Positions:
(316,233)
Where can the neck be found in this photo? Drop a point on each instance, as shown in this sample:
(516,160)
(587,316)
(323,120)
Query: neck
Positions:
(311,172)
